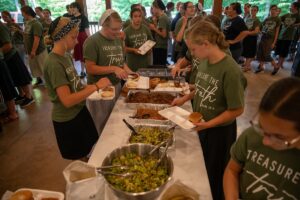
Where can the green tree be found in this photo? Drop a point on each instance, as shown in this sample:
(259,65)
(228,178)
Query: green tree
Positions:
(7,5)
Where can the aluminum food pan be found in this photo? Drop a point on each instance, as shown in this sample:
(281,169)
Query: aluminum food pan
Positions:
(136,105)
(161,127)
(155,72)
(157,107)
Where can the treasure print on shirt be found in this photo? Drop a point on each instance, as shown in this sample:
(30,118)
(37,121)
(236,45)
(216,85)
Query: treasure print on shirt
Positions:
(138,39)
(267,173)
(114,55)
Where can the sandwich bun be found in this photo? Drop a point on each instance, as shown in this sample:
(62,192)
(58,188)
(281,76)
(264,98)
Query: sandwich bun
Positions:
(195,117)
(131,84)
(134,77)
(22,195)
(107,94)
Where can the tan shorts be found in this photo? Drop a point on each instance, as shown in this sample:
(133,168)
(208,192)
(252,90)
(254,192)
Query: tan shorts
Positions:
(36,64)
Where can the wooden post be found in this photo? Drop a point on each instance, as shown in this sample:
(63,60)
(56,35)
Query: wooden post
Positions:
(82,4)
(108,4)
(202,2)
(217,8)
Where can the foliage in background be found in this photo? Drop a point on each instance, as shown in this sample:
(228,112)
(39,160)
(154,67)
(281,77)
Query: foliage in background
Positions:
(96,7)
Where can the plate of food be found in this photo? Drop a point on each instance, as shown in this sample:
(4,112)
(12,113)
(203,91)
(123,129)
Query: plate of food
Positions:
(181,117)
(107,93)
(35,194)
(137,82)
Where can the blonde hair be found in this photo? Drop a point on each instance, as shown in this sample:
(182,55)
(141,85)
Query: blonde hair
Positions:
(114,16)
(204,30)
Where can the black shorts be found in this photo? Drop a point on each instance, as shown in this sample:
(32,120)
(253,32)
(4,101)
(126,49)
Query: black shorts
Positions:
(160,56)
(18,70)
(283,47)
(6,84)
(76,138)
(249,46)
(216,143)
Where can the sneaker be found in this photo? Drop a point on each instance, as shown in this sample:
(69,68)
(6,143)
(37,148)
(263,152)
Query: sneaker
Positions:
(259,69)
(19,99)
(275,71)
(27,102)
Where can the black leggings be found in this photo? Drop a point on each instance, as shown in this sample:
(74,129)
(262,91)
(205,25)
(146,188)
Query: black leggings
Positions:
(216,143)
(160,56)
(76,137)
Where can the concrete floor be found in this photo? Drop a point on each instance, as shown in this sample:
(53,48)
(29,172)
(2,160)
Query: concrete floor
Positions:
(29,154)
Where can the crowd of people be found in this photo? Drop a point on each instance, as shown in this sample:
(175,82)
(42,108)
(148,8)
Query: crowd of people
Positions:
(213,52)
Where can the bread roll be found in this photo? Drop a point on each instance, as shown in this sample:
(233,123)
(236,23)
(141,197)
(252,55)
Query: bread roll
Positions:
(131,84)
(195,117)
(107,94)
(22,195)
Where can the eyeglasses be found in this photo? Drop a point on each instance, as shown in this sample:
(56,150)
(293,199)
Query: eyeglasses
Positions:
(277,142)
(190,7)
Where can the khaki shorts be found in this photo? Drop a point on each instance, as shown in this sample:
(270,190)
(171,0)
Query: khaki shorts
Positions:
(36,64)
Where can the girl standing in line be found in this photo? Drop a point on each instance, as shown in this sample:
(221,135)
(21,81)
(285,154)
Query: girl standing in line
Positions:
(219,97)
(74,128)
(136,35)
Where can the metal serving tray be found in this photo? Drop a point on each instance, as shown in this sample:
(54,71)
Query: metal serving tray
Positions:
(155,72)
(161,127)
(135,105)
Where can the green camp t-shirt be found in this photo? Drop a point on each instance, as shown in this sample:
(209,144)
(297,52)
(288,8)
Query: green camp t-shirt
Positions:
(287,29)
(269,26)
(252,23)
(33,28)
(59,71)
(135,38)
(162,24)
(178,45)
(219,87)
(4,39)
(103,52)
(195,63)
(267,173)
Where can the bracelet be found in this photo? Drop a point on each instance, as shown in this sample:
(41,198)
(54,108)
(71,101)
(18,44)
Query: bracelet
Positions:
(97,87)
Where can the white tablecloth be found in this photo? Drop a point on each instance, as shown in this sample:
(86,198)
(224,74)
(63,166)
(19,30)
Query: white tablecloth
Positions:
(187,156)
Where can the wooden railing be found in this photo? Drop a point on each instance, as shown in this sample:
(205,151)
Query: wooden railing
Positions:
(94,27)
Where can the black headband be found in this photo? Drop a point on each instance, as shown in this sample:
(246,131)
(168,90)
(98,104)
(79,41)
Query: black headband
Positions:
(66,29)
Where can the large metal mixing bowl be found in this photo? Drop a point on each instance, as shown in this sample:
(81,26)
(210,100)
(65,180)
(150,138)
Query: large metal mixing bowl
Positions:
(142,150)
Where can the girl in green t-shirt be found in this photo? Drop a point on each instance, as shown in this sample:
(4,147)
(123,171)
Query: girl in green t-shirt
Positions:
(136,35)
(74,128)
(219,97)
(264,160)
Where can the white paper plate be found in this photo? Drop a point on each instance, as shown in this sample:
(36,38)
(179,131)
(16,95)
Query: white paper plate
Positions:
(142,83)
(97,95)
(146,47)
(40,194)
(177,115)
(169,87)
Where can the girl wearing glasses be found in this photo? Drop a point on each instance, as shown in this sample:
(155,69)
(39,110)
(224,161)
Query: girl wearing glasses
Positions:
(264,161)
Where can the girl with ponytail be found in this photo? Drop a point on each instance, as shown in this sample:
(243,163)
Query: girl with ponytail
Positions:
(219,97)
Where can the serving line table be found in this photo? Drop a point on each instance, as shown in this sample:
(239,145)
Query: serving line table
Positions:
(187,155)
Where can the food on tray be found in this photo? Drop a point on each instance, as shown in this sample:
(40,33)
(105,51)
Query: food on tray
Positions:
(131,84)
(145,176)
(108,92)
(144,113)
(181,197)
(79,175)
(150,135)
(49,198)
(154,98)
(154,82)
(22,195)
(134,77)
(195,117)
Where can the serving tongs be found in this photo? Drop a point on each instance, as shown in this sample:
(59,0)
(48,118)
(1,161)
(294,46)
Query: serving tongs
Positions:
(102,171)
(130,127)
(164,153)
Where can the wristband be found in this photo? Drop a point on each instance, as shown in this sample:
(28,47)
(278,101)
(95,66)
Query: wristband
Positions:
(97,87)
